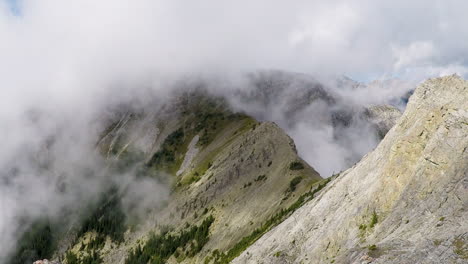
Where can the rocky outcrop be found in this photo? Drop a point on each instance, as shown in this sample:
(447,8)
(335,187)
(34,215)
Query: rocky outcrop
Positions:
(383,117)
(405,202)
(45,261)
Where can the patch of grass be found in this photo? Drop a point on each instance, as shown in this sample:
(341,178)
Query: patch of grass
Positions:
(460,248)
(374,219)
(191,179)
(166,156)
(294,182)
(296,165)
(372,247)
(160,247)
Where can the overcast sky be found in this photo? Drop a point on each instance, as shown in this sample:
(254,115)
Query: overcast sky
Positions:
(68,55)
(69,58)
(62,40)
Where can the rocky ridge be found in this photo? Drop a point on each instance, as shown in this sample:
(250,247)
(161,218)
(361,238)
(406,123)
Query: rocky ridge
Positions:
(224,168)
(405,202)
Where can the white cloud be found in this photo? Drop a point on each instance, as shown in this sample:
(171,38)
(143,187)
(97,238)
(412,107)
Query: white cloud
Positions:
(69,59)
(415,54)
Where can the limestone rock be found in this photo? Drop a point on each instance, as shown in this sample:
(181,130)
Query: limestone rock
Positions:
(405,202)
(384,117)
(46,261)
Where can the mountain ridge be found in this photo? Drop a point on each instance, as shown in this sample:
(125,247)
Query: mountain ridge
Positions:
(414,182)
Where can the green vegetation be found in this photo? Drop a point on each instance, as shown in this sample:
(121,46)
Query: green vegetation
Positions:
(294,182)
(460,247)
(374,219)
(296,165)
(96,243)
(36,243)
(363,227)
(193,178)
(90,258)
(207,162)
(107,218)
(71,258)
(160,247)
(213,123)
(211,116)
(372,247)
(262,177)
(202,115)
(165,157)
(245,242)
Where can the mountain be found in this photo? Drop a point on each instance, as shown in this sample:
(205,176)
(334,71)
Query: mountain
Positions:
(404,202)
(199,176)
(336,122)
(229,179)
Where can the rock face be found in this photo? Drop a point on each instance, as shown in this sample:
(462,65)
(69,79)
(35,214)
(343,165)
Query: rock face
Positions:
(384,117)
(405,202)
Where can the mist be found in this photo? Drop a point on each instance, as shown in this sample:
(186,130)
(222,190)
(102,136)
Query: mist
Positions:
(64,64)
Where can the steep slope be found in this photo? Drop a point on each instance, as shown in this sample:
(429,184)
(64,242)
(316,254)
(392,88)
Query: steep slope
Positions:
(231,179)
(405,202)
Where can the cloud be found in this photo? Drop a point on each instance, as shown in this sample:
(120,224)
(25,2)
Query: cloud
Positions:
(64,62)
(416,53)
(85,40)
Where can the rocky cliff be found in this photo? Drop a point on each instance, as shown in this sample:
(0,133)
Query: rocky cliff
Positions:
(405,202)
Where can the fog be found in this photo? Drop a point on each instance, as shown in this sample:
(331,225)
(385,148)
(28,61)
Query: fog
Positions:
(64,64)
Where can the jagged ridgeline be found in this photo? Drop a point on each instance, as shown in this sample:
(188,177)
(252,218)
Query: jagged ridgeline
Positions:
(231,179)
(404,202)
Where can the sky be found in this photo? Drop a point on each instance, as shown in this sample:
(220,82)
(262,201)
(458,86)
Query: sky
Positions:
(361,39)
(62,62)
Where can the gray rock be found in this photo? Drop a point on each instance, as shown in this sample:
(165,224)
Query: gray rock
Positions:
(384,117)
(405,202)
